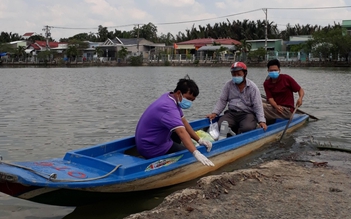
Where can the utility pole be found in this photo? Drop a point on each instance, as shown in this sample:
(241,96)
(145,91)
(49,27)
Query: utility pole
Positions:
(46,29)
(265,10)
(138,40)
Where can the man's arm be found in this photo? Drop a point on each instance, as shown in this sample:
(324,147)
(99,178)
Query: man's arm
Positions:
(222,101)
(280,109)
(301,94)
(190,130)
(258,108)
(185,138)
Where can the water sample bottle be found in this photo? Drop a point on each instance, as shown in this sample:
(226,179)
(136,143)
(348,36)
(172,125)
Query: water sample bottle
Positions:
(224,130)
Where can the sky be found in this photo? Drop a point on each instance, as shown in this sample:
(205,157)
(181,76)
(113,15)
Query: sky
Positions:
(70,17)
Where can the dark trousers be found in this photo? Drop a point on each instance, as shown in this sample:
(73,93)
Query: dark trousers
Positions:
(177,146)
(239,122)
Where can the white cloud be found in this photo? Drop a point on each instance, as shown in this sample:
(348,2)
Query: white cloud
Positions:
(176,3)
(220,5)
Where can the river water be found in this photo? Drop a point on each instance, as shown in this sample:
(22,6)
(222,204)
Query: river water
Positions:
(45,112)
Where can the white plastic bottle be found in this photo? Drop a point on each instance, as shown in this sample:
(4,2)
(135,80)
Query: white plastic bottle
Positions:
(224,129)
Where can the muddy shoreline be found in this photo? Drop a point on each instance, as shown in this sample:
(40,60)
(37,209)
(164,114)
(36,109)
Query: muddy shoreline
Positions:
(311,185)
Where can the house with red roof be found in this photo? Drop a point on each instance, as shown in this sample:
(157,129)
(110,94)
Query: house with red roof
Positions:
(198,43)
(205,48)
(38,46)
(29,34)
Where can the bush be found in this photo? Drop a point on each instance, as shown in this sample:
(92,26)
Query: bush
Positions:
(167,63)
(136,60)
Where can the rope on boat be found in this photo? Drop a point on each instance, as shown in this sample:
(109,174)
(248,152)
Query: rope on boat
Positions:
(52,177)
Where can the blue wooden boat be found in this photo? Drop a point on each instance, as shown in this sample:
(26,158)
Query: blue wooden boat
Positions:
(113,167)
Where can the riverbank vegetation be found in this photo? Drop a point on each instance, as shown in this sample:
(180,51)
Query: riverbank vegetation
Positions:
(327,41)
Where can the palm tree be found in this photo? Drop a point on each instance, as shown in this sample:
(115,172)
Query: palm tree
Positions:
(20,51)
(72,52)
(245,48)
(98,52)
(123,52)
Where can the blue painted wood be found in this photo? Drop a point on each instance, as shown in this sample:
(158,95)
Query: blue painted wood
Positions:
(99,160)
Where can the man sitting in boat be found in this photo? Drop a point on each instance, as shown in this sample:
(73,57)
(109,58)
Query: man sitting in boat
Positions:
(279,90)
(244,102)
(163,127)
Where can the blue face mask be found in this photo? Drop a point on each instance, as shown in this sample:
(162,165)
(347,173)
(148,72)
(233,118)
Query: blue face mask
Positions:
(273,74)
(238,79)
(185,103)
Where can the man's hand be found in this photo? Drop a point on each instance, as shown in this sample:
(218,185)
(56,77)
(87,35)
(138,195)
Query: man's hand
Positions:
(200,157)
(299,102)
(207,144)
(263,125)
(280,109)
(211,116)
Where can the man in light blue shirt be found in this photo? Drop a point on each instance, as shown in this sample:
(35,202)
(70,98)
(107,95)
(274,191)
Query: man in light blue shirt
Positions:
(243,97)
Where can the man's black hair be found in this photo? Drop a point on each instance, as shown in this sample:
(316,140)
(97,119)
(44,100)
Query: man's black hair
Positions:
(186,84)
(273,62)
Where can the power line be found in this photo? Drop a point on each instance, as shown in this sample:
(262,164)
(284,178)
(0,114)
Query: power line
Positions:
(313,8)
(168,23)
(206,19)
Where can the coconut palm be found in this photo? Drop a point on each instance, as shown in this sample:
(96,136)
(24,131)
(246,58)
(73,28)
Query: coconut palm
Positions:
(123,52)
(245,48)
(20,52)
(72,52)
(98,52)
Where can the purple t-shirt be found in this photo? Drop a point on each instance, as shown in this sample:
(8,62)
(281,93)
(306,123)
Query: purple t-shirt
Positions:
(154,129)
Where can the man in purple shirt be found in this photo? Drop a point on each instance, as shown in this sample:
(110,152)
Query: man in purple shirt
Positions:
(163,127)
(243,97)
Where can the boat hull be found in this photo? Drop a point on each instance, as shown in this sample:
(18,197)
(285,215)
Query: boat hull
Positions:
(224,152)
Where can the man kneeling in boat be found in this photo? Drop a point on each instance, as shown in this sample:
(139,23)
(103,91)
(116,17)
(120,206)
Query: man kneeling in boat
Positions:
(163,127)
(280,90)
(244,102)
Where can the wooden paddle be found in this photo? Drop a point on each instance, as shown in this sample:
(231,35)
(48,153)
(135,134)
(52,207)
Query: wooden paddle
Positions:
(287,124)
(299,111)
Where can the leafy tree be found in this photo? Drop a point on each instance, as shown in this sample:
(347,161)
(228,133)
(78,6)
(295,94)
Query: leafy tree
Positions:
(219,51)
(136,60)
(75,48)
(147,31)
(72,52)
(45,55)
(9,37)
(103,34)
(78,43)
(257,55)
(20,51)
(327,41)
(244,47)
(123,52)
(34,38)
(168,39)
(98,51)
(5,47)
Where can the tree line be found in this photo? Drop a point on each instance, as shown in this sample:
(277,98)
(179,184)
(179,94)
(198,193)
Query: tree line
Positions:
(236,29)
(326,40)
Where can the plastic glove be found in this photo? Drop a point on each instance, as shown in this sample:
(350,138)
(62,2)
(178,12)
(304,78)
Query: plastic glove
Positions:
(207,144)
(200,157)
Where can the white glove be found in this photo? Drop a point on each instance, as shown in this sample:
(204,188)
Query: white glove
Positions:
(208,144)
(200,157)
